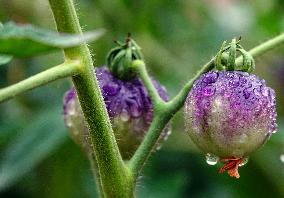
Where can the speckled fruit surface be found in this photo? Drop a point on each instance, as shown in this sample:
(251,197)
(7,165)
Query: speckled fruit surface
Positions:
(230,113)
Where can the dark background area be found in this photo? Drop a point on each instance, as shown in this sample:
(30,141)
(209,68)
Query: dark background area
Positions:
(37,157)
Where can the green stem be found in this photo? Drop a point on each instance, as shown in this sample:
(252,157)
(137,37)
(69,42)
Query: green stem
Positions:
(267,46)
(163,116)
(177,102)
(139,67)
(144,150)
(96,173)
(66,69)
(115,178)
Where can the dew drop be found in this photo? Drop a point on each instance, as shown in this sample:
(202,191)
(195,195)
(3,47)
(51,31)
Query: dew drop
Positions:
(243,138)
(71,112)
(124,116)
(264,91)
(243,80)
(257,92)
(241,123)
(68,122)
(282,158)
(234,83)
(246,93)
(206,105)
(71,109)
(211,159)
(209,91)
(274,131)
(244,161)
(274,128)
(159,147)
(227,93)
(210,78)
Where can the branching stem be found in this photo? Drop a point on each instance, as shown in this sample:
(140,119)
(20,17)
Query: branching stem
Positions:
(115,178)
(168,110)
(140,68)
(66,69)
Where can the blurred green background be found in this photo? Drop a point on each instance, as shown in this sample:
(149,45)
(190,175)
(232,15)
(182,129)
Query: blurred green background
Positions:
(37,157)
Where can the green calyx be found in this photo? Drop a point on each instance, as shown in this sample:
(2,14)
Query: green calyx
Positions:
(119,59)
(226,57)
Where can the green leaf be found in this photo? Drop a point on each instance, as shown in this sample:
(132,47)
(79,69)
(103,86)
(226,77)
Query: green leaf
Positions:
(43,135)
(27,40)
(4,59)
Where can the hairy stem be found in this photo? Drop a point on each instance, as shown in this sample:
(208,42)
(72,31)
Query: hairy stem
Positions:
(96,173)
(168,110)
(176,103)
(115,178)
(139,67)
(267,46)
(161,117)
(66,69)
(144,150)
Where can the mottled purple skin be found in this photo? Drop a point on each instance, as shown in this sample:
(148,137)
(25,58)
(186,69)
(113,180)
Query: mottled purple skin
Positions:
(129,107)
(230,113)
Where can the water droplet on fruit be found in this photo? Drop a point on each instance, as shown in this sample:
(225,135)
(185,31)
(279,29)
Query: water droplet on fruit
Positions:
(124,115)
(246,93)
(68,122)
(244,161)
(282,158)
(243,138)
(206,105)
(274,131)
(264,91)
(243,81)
(234,83)
(208,91)
(241,123)
(71,108)
(210,78)
(257,91)
(211,159)
(227,93)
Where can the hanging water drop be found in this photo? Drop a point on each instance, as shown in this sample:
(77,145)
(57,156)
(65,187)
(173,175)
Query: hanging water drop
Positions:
(211,159)
(244,161)
(282,158)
